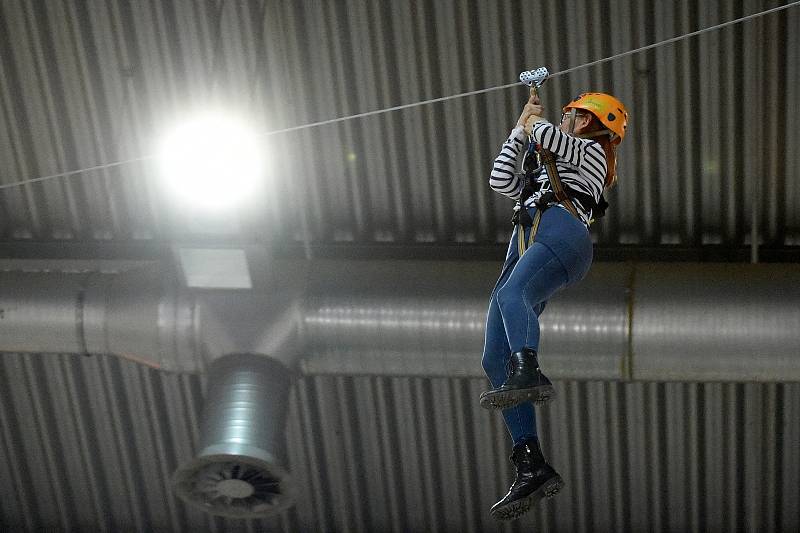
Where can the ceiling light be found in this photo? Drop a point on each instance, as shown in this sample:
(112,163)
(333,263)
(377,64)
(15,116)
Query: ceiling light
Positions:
(211,161)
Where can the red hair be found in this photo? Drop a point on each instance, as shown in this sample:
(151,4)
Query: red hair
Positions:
(609,148)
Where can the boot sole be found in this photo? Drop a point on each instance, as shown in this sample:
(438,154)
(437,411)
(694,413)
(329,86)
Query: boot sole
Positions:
(514,510)
(512,398)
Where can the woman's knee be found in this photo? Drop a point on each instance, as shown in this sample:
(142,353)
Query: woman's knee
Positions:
(513,299)
(508,296)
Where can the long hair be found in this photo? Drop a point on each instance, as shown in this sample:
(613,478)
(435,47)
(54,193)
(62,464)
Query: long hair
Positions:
(609,148)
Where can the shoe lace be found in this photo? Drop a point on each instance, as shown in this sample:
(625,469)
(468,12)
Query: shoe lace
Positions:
(509,366)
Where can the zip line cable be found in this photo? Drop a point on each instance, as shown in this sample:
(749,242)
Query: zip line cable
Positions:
(73,172)
(433,100)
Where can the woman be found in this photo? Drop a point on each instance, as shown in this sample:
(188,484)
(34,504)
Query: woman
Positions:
(559,255)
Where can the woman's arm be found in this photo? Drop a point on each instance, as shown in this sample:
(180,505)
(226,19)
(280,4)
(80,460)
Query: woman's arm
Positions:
(585,154)
(503,178)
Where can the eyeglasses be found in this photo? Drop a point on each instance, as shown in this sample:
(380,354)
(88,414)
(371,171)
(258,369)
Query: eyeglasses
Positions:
(566,115)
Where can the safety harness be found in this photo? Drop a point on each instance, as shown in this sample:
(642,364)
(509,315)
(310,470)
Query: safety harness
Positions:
(535,158)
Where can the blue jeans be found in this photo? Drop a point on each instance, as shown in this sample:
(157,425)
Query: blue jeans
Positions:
(559,257)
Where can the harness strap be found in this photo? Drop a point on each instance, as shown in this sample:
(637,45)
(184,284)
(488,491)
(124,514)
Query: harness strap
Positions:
(587,201)
(521,245)
(549,161)
(524,220)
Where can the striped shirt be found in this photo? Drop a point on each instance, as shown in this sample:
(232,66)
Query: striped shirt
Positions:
(581,165)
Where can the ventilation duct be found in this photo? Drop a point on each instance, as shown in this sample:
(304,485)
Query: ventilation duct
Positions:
(238,472)
(427,319)
(650,322)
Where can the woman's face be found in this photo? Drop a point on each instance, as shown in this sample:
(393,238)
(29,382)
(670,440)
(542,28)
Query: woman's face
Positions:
(582,120)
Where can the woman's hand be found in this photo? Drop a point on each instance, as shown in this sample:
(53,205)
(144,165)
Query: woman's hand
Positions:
(531,113)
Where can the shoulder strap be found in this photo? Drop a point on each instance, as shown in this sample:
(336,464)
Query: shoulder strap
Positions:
(549,161)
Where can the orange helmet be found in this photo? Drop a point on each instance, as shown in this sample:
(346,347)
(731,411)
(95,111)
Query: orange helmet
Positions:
(606,108)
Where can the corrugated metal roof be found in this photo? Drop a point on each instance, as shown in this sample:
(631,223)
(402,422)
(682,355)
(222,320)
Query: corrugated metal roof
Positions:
(90,444)
(90,83)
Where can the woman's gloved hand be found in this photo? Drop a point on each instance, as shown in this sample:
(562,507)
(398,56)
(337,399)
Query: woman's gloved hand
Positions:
(531,113)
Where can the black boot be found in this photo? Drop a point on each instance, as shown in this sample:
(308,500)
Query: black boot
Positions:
(526,382)
(535,480)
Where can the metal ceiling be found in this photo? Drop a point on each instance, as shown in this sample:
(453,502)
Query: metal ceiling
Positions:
(87,83)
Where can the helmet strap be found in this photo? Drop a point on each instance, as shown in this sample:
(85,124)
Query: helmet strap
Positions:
(572,113)
(599,133)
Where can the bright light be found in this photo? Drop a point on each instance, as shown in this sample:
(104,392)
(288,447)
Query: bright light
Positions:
(211,161)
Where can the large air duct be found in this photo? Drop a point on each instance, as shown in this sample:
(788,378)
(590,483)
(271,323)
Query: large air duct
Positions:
(426,318)
(650,322)
(681,322)
(238,470)
(670,322)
